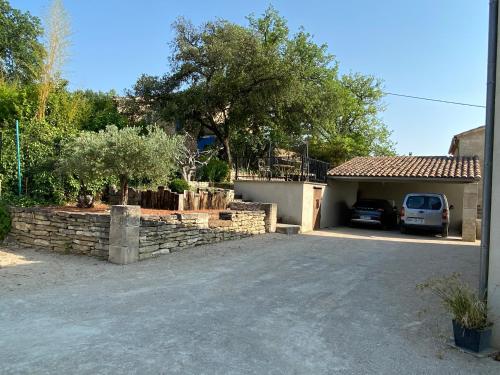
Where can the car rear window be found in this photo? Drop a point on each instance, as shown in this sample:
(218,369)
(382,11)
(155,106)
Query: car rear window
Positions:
(369,203)
(423,202)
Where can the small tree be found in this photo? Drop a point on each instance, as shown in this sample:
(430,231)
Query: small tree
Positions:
(123,154)
(81,158)
(191,158)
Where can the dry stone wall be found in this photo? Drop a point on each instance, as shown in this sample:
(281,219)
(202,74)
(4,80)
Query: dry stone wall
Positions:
(61,231)
(164,234)
(89,233)
(270,210)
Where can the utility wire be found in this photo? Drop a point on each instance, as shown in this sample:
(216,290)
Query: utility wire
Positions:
(435,100)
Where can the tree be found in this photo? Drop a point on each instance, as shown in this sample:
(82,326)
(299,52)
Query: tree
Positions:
(191,158)
(257,85)
(224,77)
(121,154)
(21,53)
(354,128)
(57,43)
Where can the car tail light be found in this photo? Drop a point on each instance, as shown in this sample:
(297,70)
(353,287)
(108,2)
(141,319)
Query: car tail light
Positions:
(402,212)
(445,214)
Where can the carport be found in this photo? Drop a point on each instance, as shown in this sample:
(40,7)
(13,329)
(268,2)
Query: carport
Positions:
(391,178)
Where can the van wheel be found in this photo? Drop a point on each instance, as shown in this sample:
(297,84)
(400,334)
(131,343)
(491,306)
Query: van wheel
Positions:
(444,231)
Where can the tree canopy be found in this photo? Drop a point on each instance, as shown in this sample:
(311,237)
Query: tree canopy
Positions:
(21,53)
(122,155)
(258,84)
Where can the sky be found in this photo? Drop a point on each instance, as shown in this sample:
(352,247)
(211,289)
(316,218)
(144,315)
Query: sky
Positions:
(429,48)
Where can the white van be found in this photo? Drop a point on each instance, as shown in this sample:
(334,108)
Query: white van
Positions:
(425,211)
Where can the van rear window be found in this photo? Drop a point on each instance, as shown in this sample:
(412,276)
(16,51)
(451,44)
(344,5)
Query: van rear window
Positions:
(423,202)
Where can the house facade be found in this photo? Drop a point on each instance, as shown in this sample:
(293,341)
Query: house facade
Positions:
(471,143)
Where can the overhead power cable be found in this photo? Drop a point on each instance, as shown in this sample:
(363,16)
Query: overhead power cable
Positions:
(435,100)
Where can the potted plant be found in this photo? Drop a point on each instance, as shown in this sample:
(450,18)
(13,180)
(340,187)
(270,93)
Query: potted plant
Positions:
(471,327)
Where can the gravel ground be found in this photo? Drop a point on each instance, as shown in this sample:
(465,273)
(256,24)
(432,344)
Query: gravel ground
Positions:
(340,301)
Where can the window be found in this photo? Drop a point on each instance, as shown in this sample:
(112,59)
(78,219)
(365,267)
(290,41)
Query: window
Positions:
(416,202)
(422,202)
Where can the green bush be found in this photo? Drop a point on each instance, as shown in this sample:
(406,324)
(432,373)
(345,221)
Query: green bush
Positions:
(178,185)
(5,221)
(214,171)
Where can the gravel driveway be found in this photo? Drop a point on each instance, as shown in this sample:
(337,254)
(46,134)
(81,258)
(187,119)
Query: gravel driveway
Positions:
(340,301)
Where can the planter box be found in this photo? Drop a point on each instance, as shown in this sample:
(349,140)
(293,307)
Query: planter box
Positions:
(471,339)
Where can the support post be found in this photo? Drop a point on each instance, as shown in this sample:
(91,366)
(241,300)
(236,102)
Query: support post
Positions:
(124,234)
(19,185)
(469,217)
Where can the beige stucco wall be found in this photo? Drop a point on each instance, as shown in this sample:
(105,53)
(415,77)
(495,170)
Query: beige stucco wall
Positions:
(337,194)
(494,259)
(294,200)
(472,144)
(396,191)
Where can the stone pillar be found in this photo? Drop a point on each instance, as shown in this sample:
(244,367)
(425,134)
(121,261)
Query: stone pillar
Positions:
(469,212)
(124,234)
(271,210)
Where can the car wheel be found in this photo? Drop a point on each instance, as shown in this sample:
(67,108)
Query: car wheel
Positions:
(403,229)
(444,231)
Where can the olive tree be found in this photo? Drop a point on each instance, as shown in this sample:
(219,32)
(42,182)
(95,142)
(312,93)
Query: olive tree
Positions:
(121,154)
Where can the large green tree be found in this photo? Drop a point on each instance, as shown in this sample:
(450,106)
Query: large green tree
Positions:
(21,53)
(352,126)
(258,84)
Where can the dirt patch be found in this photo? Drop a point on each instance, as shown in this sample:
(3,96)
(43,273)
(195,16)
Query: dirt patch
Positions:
(151,211)
(101,207)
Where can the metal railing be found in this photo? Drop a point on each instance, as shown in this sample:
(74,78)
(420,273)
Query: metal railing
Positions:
(281,169)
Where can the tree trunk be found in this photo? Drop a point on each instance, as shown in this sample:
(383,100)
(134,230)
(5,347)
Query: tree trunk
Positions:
(227,152)
(123,189)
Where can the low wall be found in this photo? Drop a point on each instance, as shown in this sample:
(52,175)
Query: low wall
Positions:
(61,231)
(89,233)
(164,234)
(270,210)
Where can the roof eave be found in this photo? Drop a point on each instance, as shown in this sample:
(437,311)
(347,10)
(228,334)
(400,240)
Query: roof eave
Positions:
(405,179)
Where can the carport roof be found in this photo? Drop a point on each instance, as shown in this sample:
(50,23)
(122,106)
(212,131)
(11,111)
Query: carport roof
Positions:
(426,168)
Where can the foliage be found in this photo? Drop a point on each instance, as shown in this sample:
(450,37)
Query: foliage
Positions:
(257,85)
(353,128)
(123,154)
(65,113)
(57,43)
(214,171)
(21,52)
(5,221)
(98,110)
(460,301)
(178,185)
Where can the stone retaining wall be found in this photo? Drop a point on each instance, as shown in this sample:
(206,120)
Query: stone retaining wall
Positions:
(270,210)
(61,231)
(89,233)
(164,234)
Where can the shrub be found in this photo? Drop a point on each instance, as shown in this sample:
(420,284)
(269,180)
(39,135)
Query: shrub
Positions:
(214,171)
(460,301)
(178,185)
(5,221)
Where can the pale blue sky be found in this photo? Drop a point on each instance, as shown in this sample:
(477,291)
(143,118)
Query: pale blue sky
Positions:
(433,48)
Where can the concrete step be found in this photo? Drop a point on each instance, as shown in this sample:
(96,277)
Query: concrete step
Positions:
(287,228)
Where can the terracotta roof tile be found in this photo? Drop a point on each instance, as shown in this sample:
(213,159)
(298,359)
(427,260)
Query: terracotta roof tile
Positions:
(433,167)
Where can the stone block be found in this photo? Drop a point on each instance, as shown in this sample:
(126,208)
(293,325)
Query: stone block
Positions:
(124,234)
